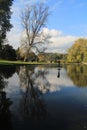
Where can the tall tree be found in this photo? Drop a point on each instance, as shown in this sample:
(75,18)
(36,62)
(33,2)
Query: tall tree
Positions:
(33,18)
(5,15)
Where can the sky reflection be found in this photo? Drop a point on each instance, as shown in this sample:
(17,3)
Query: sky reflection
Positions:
(35,95)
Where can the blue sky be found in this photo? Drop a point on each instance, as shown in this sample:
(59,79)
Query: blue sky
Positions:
(69,16)
(66,23)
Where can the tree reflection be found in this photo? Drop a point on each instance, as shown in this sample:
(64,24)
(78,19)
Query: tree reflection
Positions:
(5,114)
(34,83)
(77,74)
(7,71)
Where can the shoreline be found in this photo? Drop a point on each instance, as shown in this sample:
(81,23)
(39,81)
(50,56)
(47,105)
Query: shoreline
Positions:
(7,62)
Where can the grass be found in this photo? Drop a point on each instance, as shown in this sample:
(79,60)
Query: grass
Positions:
(6,62)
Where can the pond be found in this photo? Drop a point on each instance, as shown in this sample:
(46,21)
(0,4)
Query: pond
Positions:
(43,97)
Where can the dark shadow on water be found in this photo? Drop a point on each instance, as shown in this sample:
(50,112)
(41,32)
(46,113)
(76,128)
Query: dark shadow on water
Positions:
(5,114)
(5,103)
(7,71)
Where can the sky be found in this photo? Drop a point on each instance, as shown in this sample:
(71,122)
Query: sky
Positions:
(66,23)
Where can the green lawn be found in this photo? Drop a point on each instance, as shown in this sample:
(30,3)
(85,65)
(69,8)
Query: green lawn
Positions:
(6,62)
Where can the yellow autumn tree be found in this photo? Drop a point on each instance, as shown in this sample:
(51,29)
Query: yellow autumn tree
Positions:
(78,51)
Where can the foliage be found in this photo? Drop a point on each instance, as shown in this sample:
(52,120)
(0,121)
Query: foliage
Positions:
(50,57)
(30,57)
(5,15)
(8,52)
(78,52)
(5,25)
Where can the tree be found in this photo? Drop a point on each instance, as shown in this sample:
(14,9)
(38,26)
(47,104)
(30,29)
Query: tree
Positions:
(33,18)
(5,15)
(78,52)
(32,57)
(8,52)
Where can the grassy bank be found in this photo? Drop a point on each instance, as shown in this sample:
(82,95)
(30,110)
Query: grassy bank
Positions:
(6,62)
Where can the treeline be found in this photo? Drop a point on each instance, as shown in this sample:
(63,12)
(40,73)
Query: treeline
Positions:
(41,57)
(77,53)
(9,53)
(51,57)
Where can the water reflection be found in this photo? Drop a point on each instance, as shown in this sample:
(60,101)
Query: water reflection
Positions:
(38,99)
(58,75)
(5,103)
(5,113)
(7,71)
(33,83)
(59,68)
(78,74)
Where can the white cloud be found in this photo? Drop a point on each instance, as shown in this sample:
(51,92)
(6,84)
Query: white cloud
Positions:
(62,82)
(58,41)
(14,37)
(52,32)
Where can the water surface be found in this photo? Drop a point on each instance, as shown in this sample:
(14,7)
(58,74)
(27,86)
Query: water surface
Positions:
(43,97)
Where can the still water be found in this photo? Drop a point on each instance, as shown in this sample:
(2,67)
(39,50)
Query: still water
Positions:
(43,98)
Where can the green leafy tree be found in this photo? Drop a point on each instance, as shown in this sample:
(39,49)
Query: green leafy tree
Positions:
(5,15)
(8,52)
